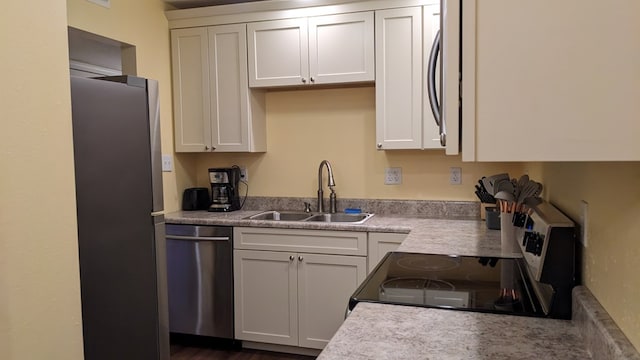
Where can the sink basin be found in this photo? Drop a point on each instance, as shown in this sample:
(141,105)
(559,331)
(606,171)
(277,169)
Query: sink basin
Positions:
(340,217)
(274,215)
(281,215)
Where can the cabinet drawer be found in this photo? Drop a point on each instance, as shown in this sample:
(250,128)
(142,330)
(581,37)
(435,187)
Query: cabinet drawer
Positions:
(307,241)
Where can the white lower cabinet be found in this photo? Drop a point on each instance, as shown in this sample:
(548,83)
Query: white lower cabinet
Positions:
(382,243)
(293,298)
(266,297)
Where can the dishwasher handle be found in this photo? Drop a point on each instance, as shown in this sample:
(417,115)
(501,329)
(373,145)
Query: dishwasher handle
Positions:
(198,238)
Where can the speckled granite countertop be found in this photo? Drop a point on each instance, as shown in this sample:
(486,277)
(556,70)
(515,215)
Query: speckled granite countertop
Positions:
(382,331)
(433,236)
(378,331)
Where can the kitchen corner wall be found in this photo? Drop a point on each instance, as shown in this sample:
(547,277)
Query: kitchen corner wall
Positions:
(305,127)
(40,312)
(610,261)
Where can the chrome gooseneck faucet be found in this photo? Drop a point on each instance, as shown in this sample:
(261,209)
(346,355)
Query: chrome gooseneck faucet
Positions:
(331,184)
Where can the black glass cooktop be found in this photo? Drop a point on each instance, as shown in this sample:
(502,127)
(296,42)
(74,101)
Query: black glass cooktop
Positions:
(486,284)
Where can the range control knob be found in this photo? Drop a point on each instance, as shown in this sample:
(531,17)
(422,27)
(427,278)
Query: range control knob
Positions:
(527,236)
(534,243)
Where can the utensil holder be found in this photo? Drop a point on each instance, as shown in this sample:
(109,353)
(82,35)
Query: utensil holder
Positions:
(507,234)
(493,218)
(483,210)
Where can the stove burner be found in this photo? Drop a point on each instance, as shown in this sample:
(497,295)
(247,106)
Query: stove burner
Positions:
(430,263)
(416,283)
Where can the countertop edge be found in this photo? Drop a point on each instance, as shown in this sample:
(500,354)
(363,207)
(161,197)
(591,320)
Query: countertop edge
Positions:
(603,338)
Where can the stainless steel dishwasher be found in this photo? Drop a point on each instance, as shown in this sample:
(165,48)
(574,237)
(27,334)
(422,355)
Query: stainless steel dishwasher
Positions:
(200,280)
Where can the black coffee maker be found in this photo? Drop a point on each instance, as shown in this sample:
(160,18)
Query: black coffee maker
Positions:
(224,189)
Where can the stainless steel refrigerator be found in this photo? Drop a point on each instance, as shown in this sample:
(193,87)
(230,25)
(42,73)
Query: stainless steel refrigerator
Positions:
(121,236)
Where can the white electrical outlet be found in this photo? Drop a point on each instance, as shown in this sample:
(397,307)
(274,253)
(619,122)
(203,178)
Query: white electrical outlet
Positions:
(393,176)
(455,176)
(103,3)
(244,174)
(584,222)
(167,163)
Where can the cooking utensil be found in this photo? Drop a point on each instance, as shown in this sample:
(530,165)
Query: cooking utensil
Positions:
(530,190)
(491,180)
(503,195)
(522,182)
(504,185)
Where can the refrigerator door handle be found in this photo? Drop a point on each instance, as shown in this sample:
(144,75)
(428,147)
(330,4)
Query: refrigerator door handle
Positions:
(155,144)
(431,88)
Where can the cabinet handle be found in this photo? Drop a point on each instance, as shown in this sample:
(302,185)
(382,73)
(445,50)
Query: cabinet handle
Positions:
(291,258)
(206,148)
(304,80)
(312,79)
(300,258)
(379,146)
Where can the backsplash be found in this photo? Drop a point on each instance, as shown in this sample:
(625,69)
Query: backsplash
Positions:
(421,208)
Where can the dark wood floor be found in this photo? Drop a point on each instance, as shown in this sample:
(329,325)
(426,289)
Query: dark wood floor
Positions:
(200,348)
(180,352)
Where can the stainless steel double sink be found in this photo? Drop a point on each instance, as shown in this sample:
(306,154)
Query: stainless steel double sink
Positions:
(311,217)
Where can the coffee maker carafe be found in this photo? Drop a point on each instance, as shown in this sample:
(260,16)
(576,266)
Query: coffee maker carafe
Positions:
(224,189)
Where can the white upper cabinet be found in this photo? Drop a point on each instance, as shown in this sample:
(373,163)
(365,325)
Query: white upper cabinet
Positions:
(341,48)
(214,108)
(316,50)
(403,41)
(278,53)
(550,80)
(190,61)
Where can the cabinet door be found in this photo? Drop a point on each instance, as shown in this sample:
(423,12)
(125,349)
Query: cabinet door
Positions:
(341,48)
(266,303)
(229,87)
(190,61)
(399,78)
(325,283)
(550,80)
(278,53)
(380,244)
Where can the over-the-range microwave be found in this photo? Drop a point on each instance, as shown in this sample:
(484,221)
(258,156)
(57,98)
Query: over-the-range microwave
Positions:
(446,107)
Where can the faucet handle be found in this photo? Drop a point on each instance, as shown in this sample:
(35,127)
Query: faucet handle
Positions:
(307,207)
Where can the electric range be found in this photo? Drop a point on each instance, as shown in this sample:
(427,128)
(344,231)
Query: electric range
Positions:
(538,283)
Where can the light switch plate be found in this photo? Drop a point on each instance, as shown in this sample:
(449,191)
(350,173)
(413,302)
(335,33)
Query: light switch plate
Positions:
(103,3)
(455,176)
(167,163)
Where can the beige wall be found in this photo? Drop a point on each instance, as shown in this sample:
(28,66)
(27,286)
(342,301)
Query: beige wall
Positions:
(610,261)
(39,277)
(141,23)
(306,126)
